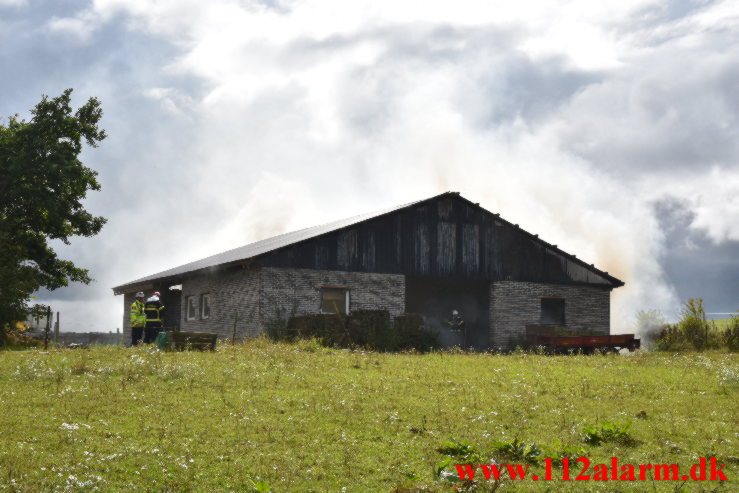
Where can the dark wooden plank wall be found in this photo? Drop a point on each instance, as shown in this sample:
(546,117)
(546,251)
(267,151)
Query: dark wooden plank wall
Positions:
(448,237)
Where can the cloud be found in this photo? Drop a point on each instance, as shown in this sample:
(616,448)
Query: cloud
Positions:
(231,121)
(13,3)
(697,265)
(716,206)
(80,27)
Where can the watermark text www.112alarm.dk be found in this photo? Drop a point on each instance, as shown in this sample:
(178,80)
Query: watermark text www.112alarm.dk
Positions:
(707,469)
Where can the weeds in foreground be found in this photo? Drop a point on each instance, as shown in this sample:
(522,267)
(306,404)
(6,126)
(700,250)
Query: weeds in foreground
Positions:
(608,433)
(260,487)
(518,451)
(460,450)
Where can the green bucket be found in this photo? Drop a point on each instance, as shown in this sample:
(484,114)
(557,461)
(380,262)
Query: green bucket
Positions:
(162,340)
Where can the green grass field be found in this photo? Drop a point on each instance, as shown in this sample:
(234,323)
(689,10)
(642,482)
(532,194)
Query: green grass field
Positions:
(723,323)
(304,418)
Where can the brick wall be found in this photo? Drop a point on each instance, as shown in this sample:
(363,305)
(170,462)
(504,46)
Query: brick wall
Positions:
(513,305)
(232,295)
(288,291)
(259,295)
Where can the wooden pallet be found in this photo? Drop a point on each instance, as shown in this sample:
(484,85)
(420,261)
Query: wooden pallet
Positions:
(181,341)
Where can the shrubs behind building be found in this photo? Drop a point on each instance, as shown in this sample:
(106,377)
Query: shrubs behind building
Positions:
(694,332)
(371,329)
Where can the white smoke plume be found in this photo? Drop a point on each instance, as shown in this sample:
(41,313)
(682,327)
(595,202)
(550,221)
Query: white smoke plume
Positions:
(572,119)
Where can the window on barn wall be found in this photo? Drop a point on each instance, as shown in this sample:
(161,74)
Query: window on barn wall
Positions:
(191,302)
(335,300)
(205,306)
(552,311)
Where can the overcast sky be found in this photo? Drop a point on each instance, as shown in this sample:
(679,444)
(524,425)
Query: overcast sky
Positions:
(609,128)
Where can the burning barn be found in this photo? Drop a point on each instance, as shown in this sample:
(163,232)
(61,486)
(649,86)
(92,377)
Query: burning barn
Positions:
(432,257)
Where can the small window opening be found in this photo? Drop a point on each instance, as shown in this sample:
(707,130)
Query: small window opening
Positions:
(552,311)
(191,302)
(335,300)
(205,306)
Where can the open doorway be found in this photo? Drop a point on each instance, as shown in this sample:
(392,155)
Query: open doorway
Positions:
(172,299)
(436,298)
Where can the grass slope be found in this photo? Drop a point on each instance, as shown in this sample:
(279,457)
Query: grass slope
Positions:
(304,418)
(723,323)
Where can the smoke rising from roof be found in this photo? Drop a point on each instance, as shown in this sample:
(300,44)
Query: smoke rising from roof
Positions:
(234,121)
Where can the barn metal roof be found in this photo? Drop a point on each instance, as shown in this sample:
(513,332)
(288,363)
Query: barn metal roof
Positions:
(263,246)
(287,239)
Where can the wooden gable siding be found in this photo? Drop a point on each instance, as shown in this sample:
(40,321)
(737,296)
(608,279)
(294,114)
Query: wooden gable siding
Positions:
(447,237)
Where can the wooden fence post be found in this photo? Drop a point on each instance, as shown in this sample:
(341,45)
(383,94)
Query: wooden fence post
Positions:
(48,326)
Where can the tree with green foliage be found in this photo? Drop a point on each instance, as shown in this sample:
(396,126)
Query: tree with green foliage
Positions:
(693,323)
(42,186)
(694,332)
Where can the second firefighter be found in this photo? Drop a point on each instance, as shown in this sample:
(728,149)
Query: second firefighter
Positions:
(154,318)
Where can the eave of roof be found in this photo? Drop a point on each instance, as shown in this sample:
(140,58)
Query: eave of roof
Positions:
(268,245)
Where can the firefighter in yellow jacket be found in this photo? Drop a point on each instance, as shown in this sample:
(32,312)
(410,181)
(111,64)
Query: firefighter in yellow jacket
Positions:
(138,319)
